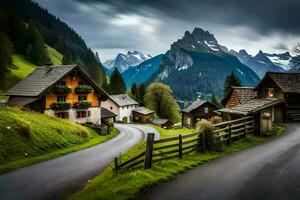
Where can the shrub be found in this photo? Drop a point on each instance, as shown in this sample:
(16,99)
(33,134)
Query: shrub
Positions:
(206,128)
(24,129)
(60,106)
(83,89)
(82,104)
(215,120)
(62,89)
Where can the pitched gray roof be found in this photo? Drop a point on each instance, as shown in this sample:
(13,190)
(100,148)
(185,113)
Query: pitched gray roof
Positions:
(106,113)
(159,121)
(123,100)
(243,94)
(252,106)
(143,110)
(194,105)
(39,80)
(45,77)
(288,82)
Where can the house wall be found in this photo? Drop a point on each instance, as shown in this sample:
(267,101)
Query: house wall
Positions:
(232,101)
(269,83)
(95,117)
(72,82)
(111,106)
(125,113)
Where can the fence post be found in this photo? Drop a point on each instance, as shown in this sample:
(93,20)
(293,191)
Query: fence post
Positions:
(180,147)
(202,139)
(149,150)
(116,165)
(229,134)
(245,127)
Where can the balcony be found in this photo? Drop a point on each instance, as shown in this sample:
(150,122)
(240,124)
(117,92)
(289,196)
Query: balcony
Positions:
(83,89)
(62,89)
(60,106)
(82,104)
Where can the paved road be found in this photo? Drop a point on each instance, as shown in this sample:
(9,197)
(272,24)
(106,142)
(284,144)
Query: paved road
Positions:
(269,171)
(54,178)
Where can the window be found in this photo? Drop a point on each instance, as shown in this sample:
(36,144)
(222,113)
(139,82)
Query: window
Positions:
(63,115)
(89,113)
(270,92)
(81,114)
(82,98)
(62,83)
(188,121)
(206,110)
(61,98)
(111,107)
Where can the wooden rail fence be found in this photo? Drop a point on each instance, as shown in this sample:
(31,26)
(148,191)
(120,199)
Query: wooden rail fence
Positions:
(176,147)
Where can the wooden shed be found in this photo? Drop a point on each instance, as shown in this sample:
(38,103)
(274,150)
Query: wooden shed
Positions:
(196,111)
(163,123)
(265,112)
(142,115)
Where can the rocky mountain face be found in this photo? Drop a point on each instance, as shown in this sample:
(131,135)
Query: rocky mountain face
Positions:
(197,63)
(124,61)
(283,60)
(261,62)
(142,72)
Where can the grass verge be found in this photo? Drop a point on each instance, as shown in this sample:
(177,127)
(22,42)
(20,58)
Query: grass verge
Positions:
(27,137)
(129,185)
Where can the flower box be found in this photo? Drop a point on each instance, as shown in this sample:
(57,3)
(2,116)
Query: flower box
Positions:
(82,104)
(83,89)
(60,106)
(62,89)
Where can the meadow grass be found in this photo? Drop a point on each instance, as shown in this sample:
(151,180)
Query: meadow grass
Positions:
(28,137)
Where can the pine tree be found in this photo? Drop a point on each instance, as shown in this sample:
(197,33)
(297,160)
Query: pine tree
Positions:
(141,94)
(215,101)
(134,91)
(66,60)
(230,81)
(5,58)
(117,85)
(105,84)
(36,51)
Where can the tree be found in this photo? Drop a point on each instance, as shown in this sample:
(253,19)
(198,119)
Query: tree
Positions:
(141,94)
(36,51)
(5,57)
(230,81)
(215,101)
(134,91)
(105,84)
(65,60)
(159,98)
(117,85)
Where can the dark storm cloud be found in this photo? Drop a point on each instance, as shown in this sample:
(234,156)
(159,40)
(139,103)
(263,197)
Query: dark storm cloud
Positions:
(281,47)
(264,15)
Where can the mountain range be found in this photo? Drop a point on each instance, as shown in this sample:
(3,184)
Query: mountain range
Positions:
(197,63)
(125,61)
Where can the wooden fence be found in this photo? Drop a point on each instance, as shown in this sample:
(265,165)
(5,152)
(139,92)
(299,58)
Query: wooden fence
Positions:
(176,147)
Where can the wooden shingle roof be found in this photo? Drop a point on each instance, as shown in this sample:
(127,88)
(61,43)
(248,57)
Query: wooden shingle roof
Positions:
(252,106)
(243,94)
(288,82)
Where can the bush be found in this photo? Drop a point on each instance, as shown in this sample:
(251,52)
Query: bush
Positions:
(83,89)
(25,129)
(62,89)
(206,128)
(215,120)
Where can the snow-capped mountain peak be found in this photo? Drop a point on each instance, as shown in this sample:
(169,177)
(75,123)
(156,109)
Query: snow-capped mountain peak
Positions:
(124,61)
(283,59)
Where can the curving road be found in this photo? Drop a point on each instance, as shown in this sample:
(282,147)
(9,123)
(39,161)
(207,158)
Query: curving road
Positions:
(269,171)
(54,178)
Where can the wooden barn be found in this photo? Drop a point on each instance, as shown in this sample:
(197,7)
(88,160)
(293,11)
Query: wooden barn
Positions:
(142,115)
(196,111)
(238,95)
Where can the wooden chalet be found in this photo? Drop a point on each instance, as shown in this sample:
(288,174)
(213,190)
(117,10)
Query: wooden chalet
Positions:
(62,91)
(277,100)
(196,111)
(163,123)
(238,95)
(142,115)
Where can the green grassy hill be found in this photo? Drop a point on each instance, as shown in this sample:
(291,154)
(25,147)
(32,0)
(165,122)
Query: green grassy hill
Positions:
(27,137)
(21,67)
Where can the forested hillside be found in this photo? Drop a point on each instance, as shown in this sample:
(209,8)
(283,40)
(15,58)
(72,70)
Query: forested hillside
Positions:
(25,29)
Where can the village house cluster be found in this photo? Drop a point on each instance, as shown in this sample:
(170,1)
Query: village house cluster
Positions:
(68,92)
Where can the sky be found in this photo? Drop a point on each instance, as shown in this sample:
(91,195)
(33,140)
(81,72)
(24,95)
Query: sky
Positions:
(151,26)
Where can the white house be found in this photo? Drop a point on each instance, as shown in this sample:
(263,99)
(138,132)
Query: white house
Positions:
(122,105)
